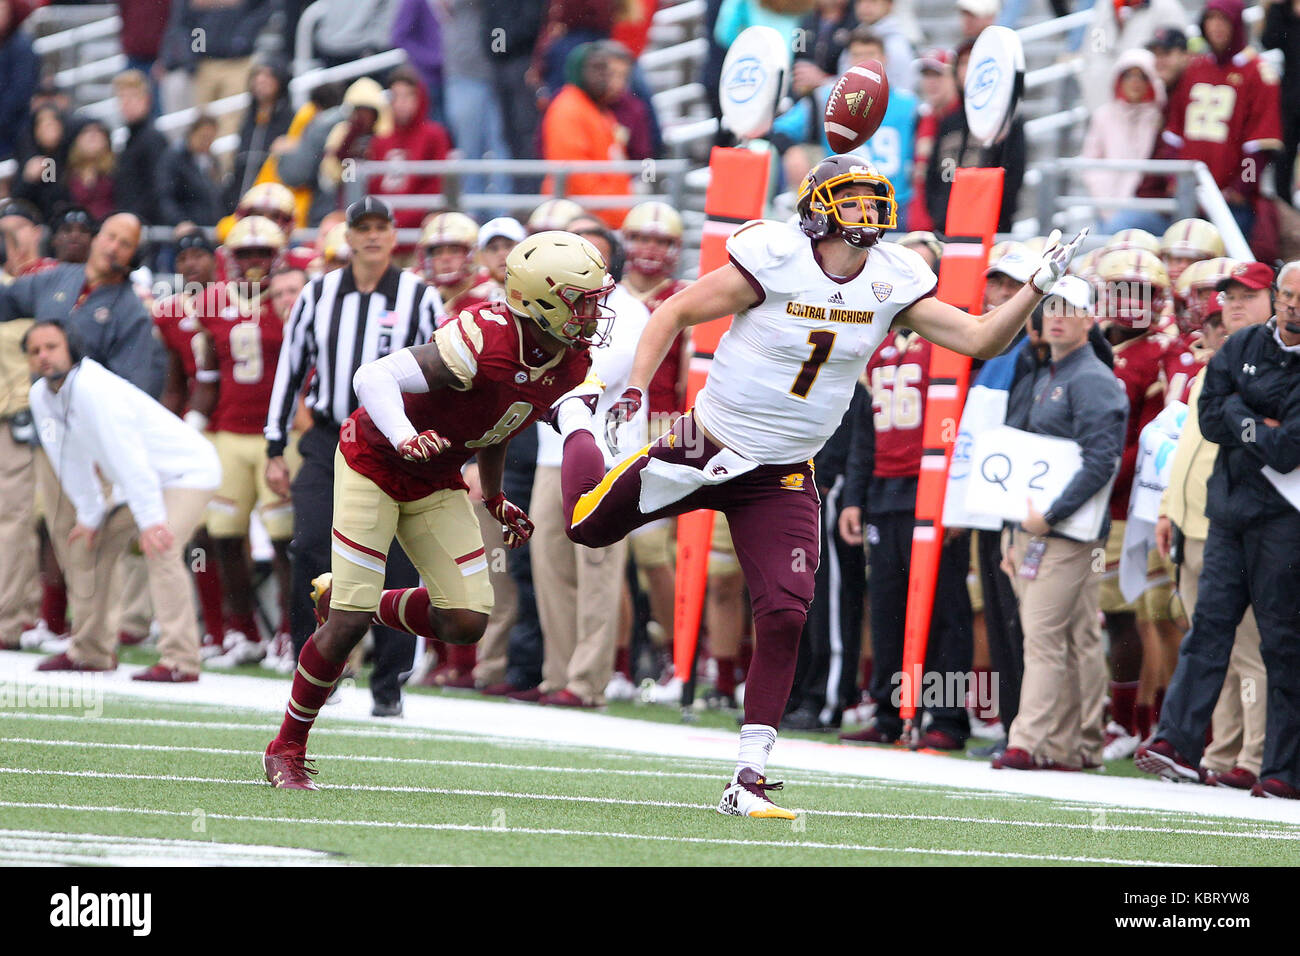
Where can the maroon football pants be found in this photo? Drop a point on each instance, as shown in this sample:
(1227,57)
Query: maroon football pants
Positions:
(772,511)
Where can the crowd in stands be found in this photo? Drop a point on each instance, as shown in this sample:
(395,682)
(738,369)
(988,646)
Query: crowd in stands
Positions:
(559,79)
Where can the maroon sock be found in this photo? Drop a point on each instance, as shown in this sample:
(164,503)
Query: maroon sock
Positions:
(1142,715)
(406,609)
(726,676)
(1155,708)
(463,657)
(623,662)
(244,623)
(209,585)
(771,671)
(1123,704)
(54,605)
(866,672)
(581,469)
(312,683)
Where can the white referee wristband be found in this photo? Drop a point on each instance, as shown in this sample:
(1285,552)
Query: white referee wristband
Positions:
(196,420)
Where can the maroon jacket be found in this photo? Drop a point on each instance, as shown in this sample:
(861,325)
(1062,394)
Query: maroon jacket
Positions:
(143,22)
(421,138)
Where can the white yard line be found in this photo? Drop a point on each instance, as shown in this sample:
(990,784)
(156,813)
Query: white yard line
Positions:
(558,725)
(101,849)
(598,834)
(604,772)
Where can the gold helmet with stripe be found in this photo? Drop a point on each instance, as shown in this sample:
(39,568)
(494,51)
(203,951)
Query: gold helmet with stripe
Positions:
(1197,289)
(653,231)
(453,229)
(1135,285)
(254,245)
(272,200)
(1134,239)
(1188,241)
(554,214)
(559,280)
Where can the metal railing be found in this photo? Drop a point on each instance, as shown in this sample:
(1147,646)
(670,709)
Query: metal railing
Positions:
(67,39)
(667,172)
(1195,190)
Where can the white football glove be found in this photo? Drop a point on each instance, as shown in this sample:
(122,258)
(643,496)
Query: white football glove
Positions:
(1056,259)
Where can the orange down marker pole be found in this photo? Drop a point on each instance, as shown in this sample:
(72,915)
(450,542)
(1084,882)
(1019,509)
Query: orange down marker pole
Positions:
(973,209)
(737,193)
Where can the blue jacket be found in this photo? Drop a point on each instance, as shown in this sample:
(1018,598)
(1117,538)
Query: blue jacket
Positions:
(19,70)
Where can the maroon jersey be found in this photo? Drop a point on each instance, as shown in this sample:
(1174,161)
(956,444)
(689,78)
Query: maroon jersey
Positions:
(246,339)
(1183,361)
(1139,365)
(504,394)
(1221,113)
(663,384)
(898,376)
(180,330)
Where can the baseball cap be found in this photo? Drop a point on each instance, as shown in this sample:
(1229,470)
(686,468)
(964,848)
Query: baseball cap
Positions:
(1016,264)
(17,207)
(368,206)
(980,8)
(935,61)
(1253,275)
(1168,38)
(1075,291)
(195,239)
(501,226)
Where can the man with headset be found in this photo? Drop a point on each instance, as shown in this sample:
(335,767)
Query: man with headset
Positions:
(1250,407)
(162,474)
(96,303)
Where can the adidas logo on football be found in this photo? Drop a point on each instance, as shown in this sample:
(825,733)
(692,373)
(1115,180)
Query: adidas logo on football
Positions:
(854,100)
(836,299)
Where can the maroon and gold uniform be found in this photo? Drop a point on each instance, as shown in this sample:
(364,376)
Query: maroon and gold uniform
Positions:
(662,394)
(1139,365)
(246,338)
(502,392)
(898,376)
(1183,361)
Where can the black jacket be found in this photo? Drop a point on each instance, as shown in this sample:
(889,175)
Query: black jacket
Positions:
(1249,379)
(1282,32)
(832,460)
(136,178)
(953,144)
(861,461)
(185,191)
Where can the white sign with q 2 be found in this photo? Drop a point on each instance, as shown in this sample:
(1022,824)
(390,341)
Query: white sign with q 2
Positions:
(1010,467)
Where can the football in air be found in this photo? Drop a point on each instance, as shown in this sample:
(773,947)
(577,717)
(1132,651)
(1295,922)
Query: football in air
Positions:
(856,106)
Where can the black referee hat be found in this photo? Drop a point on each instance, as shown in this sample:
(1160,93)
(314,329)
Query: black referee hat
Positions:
(368,206)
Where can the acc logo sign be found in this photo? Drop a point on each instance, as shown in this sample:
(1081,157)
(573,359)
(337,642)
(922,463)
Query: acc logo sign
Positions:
(987,76)
(745,78)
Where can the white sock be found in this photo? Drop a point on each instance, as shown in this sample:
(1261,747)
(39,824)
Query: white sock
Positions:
(573,415)
(756,742)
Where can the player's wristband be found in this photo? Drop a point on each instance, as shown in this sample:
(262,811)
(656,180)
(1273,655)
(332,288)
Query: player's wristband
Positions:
(196,420)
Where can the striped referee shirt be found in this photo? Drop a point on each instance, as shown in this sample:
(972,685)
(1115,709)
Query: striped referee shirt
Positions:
(335,329)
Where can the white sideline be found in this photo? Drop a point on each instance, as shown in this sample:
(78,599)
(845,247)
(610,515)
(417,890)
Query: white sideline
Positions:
(18,669)
(611,835)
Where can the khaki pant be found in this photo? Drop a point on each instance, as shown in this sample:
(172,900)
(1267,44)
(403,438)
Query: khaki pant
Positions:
(578,593)
(89,575)
(18,543)
(493,646)
(132,588)
(216,79)
(1063,692)
(1241,714)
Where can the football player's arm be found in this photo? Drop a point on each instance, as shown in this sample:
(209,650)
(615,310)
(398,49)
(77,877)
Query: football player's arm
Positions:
(491,468)
(379,386)
(173,393)
(207,384)
(720,293)
(983,336)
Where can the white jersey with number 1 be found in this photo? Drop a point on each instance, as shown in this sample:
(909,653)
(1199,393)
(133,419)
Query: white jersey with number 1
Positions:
(783,374)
